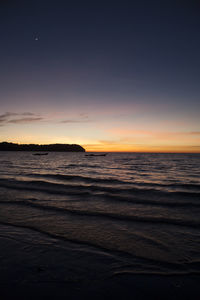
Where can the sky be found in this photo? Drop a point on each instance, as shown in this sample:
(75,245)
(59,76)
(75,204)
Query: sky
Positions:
(108,75)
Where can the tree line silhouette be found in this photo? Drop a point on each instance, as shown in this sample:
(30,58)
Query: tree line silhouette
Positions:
(5,146)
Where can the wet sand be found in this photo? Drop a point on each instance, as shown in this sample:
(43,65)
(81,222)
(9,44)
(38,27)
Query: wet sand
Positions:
(36,266)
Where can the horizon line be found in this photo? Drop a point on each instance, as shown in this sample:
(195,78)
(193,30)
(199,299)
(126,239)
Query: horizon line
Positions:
(114,151)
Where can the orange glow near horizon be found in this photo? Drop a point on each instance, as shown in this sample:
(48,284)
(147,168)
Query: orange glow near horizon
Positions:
(124,145)
(104,146)
(148,149)
(103,135)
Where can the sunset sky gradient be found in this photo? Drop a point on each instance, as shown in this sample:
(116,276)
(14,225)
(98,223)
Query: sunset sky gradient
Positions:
(109,76)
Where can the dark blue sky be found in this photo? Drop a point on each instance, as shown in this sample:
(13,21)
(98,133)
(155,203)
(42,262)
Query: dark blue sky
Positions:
(85,54)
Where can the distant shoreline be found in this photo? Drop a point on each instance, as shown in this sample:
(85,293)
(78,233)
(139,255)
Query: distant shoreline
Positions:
(9,146)
(5,146)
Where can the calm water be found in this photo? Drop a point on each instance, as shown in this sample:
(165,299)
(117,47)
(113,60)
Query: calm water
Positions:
(143,210)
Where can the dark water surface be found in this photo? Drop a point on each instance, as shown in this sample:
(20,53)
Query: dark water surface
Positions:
(141,210)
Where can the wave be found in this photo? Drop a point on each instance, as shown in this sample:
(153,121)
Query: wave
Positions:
(113,181)
(131,186)
(43,186)
(155,202)
(87,166)
(142,264)
(110,215)
(151,196)
(131,263)
(78,178)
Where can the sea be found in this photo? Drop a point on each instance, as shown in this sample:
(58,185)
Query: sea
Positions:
(136,213)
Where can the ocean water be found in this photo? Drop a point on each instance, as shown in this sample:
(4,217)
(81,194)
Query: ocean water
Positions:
(142,211)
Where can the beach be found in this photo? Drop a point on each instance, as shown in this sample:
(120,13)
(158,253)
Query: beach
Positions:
(73,272)
(124,226)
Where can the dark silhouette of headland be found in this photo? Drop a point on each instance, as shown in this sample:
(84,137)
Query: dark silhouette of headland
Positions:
(5,146)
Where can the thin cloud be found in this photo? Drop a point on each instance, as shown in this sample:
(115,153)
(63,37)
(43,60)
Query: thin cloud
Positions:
(18,118)
(27,114)
(7,115)
(74,121)
(84,115)
(83,118)
(25,120)
(12,114)
(158,134)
